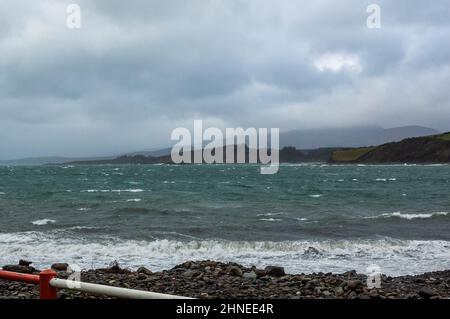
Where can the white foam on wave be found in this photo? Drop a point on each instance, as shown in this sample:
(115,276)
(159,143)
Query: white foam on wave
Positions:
(82,227)
(131,190)
(315,196)
(270,220)
(2,193)
(271,214)
(395,257)
(136,200)
(44,221)
(392,179)
(409,216)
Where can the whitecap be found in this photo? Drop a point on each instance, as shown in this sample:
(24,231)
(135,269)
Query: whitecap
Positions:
(82,227)
(270,214)
(134,200)
(315,196)
(408,216)
(45,221)
(271,220)
(137,190)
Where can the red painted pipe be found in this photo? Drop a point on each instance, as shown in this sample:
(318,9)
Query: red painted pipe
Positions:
(15,276)
(43,280)
(46,290)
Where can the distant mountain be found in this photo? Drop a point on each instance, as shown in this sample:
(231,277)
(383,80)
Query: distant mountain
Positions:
(418,150)
(350,137)
(36,160)
(55,160)
(48,160)
(287,155)
(152,153)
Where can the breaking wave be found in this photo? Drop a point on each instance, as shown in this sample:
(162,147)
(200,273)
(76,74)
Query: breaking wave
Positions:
(395,257)
(409,216)
(45,221)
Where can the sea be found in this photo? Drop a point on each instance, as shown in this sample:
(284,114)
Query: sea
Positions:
(307,218)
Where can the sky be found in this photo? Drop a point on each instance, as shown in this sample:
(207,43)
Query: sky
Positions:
(137,69)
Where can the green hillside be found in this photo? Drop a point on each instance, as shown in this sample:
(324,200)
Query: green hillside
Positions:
(427,149)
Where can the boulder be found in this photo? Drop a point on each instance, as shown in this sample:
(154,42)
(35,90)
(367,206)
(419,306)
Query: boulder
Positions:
(426,292)
(351,273)
(60,266)
(275,271)
(19,268)
(145,271)
(23,262)
(250,275)
(235,271)
(354,284)
(188,273)
(114,268)
(338,291)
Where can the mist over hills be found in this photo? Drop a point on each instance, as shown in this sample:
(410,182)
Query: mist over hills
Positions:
(351,137)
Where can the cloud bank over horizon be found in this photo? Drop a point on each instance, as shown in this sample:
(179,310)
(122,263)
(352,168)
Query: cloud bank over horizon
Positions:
(137,69)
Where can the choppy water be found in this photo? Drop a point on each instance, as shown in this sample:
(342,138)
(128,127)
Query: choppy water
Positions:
(159,215)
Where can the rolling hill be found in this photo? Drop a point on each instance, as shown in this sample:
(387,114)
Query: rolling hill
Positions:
(418,150)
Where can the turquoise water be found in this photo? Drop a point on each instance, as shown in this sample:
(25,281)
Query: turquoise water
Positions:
(158,215)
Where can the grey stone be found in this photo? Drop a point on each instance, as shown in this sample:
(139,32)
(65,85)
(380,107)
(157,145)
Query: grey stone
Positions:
(145,271)
(235,271)
(250,275)
(275,271)
(426,292)
(60,266)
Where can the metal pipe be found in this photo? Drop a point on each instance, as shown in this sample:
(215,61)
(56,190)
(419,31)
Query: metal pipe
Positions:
(15,276)
(109,291)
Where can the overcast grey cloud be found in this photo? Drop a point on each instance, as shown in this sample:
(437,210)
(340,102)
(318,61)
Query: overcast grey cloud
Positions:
(137,69)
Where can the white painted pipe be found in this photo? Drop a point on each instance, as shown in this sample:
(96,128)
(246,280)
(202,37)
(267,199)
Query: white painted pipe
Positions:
(109,290)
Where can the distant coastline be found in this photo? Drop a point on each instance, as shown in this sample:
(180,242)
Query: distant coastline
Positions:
(418,150)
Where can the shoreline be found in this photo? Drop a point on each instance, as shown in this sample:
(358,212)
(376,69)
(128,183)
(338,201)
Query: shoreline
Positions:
(217,280)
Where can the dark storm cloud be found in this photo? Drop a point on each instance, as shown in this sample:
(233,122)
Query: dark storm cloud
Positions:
(138,69)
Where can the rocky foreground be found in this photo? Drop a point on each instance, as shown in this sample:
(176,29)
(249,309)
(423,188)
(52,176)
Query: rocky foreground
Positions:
(210,279)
